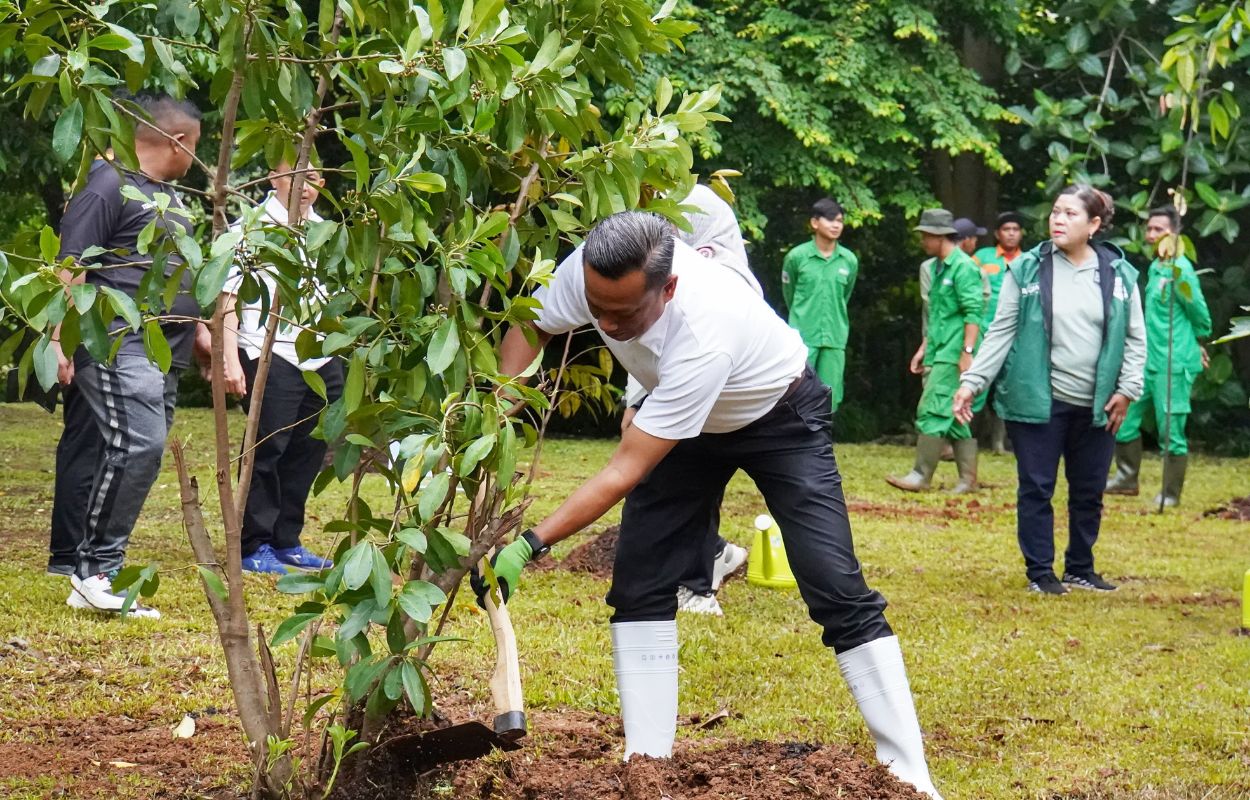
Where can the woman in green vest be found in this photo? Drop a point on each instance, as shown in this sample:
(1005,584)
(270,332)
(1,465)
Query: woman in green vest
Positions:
(1066,354)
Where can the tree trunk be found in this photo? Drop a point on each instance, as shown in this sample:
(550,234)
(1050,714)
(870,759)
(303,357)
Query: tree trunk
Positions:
(963,183)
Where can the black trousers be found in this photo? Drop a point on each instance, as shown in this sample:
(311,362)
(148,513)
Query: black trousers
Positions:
(789,454)
(287,457)
(77,455)
(1086,451)
(699,579)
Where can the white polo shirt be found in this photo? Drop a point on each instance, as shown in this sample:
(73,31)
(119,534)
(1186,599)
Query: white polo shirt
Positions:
(252,326)
(716,360)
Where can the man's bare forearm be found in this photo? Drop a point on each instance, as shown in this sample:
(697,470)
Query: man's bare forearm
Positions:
(633,460)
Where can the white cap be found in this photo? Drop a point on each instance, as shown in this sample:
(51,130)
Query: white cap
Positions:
(763,522)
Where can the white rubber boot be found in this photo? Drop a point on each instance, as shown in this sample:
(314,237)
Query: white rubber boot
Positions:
(878,681)
(645,657)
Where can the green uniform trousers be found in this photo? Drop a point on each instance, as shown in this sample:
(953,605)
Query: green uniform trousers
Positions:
(829,364)
(1154,397)
(935,415)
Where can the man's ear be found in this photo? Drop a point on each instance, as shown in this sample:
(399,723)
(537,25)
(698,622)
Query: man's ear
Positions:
(670,286)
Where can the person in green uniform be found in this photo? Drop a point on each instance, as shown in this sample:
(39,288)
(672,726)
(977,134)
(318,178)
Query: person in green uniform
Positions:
(954,327)
(1184,314)
(993,261)
(817,279)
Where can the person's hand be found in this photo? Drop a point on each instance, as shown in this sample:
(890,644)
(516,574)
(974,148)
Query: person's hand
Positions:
(1206,357)
(962,405)
(236,379)
(627,418)
(64,366)
(965,362)
(917,362)
(1116,408)
(202,348)
(507,564)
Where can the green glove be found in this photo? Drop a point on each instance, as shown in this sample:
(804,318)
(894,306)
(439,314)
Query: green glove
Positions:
(508,564)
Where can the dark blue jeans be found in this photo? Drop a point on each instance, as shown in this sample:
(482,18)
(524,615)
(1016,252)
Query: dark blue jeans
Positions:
(1086,451)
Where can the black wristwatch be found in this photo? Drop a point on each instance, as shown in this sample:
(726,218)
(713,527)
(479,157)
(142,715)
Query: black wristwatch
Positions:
(537,547)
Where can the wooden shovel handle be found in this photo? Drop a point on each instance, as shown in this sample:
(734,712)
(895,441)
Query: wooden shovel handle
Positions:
(505,683)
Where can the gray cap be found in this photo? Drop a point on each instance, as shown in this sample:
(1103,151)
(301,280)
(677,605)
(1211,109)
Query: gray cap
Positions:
(937,221)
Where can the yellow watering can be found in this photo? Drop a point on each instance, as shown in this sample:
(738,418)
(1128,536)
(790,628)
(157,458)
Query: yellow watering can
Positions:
(767,564)
(1245,605)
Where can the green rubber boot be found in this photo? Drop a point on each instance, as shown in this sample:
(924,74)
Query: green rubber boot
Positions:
(1174,468)
(966,461)
(928,453)
(1127,468)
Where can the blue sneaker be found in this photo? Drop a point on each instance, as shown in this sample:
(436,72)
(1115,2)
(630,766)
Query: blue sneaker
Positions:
(301,557)
(264,560)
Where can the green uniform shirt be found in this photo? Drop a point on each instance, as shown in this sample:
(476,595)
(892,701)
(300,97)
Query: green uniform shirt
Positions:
(955,300)
(816,290)
(993,264)
(1191,319)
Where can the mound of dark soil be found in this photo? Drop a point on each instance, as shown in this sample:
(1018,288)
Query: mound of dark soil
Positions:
(577,757)
(1238,508)
(593,557)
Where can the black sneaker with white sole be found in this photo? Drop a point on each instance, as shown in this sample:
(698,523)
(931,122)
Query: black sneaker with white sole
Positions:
(1047,584)
(1091,581)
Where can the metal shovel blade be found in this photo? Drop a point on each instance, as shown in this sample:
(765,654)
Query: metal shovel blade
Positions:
(468,740)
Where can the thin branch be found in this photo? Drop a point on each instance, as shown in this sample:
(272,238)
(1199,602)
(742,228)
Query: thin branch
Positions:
(294,216)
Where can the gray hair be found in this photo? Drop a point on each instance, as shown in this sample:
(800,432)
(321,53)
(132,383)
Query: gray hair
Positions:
(632,241)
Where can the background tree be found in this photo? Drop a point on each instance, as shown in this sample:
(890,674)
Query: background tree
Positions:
(464,153)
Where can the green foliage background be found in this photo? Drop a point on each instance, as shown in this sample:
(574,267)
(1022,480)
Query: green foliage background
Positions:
(891,107)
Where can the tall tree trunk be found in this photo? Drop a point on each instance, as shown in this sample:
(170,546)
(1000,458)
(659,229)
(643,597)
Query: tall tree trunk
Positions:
(963,183)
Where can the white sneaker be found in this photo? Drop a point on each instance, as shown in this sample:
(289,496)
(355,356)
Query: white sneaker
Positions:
(727,562)
(698,603)
(96,594)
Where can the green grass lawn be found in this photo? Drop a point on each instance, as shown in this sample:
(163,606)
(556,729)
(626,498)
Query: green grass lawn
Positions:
(1144,693)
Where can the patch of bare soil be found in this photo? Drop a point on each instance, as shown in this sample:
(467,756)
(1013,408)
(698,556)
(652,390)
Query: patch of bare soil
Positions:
(575,756)
(1238,508)
(953,509)
(88,757)
(592,557)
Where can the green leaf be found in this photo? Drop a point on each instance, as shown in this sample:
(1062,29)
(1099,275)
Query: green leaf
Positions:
(290,627)
(418,599)
(414,538)
(46,362)
(213,582)
(1077,40)
(315,382)
(362,675)
(49,244)
(157,345)
(212,278)
(354,386)
(474,453)
(380,579)
(454,62)
(68,131)
(48,66)
(444,345)
(124,306)
(414,687)
(134,48)
(300,583)
(357,565)
(433,494)
(83,295)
